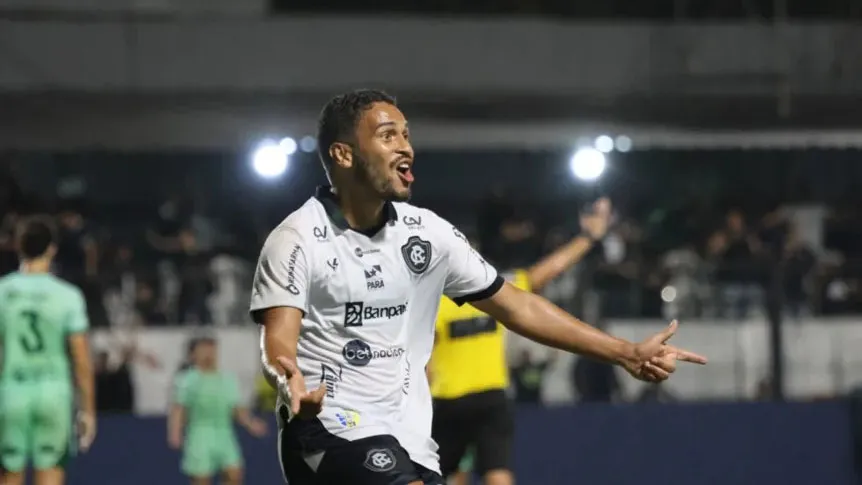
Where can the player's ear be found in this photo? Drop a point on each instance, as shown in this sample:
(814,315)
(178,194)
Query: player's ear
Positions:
(341,154)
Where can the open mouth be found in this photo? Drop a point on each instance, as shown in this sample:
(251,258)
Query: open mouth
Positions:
(405,171)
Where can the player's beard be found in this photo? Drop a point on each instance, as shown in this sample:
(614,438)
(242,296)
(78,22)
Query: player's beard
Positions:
(378,180)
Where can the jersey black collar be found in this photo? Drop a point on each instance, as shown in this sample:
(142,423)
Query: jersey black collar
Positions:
(330,205)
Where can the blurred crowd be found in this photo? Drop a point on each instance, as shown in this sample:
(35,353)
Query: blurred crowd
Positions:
(181,263)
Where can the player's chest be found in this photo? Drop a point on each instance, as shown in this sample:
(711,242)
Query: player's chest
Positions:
(371,279)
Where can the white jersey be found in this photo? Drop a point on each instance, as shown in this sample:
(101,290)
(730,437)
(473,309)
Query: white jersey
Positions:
(369,301)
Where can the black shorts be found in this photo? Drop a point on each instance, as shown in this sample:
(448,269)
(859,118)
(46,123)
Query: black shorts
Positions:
(376,460)
(482,420)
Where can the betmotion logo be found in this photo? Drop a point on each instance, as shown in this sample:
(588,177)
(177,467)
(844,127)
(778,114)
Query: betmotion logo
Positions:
(358,353)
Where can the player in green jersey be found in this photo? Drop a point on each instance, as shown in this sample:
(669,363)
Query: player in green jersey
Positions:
(206,402)
(43,322)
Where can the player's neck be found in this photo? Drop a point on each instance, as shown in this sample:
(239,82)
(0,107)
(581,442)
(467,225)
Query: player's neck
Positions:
(35,266)
(208,368)
(361,210)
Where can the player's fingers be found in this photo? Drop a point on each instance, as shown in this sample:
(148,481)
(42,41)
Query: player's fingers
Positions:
(659,373)
(668,332)
(295,402)
(691,357)
(666,363)
(318,394)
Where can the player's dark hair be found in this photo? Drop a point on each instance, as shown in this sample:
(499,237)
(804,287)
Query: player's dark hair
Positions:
(35,235)
(339,117)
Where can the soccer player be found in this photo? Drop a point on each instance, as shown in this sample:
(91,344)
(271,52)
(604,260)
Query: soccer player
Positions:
(346,291)
(473,423)
(206,402)
(43,321)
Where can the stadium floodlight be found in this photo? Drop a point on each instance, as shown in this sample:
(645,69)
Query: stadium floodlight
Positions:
(270,159)
(604,144)
(624,143)
(308,144)
(288,145)
(587,164)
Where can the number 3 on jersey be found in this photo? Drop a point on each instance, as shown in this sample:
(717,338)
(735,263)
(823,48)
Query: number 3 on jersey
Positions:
(32,342)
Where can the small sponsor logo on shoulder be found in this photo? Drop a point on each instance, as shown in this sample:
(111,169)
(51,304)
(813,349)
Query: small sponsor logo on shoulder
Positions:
(320,233)
(413,222)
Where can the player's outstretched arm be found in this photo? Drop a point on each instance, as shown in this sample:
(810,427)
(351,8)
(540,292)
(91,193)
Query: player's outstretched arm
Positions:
(538,319)
(594,226)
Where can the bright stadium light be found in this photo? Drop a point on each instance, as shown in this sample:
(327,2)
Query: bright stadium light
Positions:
(308,144)
(604,144)
(624,143)
(587,164)
(288,145)
(270,159)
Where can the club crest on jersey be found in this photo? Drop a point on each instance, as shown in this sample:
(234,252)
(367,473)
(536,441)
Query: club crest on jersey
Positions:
(417,254)
(380,460)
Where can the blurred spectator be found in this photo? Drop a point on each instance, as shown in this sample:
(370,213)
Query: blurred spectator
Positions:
(165,241)
(799,262)
(114,390)
(527,375)
(77,253)
(8,252)
(683,289)
(732,251)
(231,278)
(595,381)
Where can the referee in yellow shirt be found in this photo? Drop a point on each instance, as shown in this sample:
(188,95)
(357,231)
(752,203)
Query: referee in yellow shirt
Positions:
(469,374)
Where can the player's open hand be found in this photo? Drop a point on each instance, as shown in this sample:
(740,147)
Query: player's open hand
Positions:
(655,360)
(596,222)
(303,403)
(86,430)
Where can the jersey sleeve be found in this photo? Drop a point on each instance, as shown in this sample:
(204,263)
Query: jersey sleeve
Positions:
(181,388)
(470,277)
(282,274)
(77,320)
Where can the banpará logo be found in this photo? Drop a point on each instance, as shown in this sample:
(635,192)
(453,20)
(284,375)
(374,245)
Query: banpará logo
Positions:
(358,353)
(357,312)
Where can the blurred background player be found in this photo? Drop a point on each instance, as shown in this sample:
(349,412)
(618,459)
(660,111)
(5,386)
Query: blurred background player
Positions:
(43,327)
(206,402)
(469,375)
